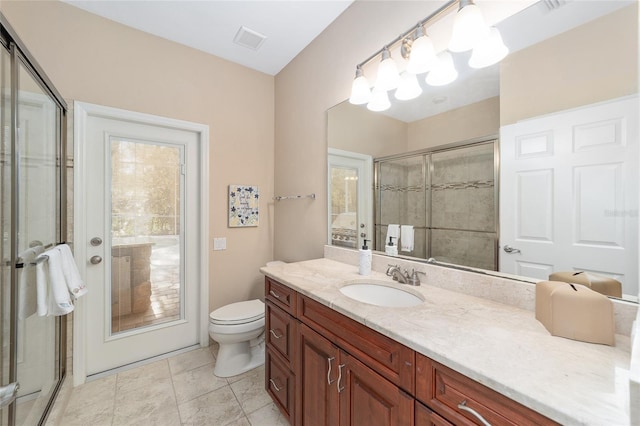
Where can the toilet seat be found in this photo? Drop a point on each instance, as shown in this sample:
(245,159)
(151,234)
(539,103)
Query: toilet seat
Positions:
(238,313)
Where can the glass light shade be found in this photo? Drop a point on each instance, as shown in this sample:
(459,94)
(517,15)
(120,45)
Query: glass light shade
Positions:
(444,71)
(388,77)
(423,54)
(360,92)
(379,100)
(468,27)
(409,88)
(489,50)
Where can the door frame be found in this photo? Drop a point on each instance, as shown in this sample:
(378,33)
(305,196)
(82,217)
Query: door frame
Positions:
(82,111)
(339,157)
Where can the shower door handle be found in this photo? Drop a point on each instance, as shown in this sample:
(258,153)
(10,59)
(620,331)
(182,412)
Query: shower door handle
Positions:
(8,393)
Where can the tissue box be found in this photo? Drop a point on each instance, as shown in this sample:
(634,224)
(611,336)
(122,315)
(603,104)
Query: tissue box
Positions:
(603,285)
(575,312)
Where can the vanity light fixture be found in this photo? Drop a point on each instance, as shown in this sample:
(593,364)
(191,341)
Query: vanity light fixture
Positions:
(444,72)
(470,31)
(489,50)
(422,54)
(360,92)
(388,77)
(409,88)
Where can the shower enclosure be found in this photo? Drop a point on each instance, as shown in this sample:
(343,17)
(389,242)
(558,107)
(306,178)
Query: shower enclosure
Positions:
(449,196)
(32,218)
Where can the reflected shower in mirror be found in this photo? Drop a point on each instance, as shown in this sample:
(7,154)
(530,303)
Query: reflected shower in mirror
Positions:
(563,107)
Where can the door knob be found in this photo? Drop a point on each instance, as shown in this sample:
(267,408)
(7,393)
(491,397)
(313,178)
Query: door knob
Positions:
(96,241)
(508,249)
(95,260)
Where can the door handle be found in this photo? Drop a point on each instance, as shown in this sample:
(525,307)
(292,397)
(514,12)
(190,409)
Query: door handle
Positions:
(95,260)
(96,241)
(508,249)
(8,393)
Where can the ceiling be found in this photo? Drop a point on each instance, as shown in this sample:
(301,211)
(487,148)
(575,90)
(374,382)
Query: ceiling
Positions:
(212,25)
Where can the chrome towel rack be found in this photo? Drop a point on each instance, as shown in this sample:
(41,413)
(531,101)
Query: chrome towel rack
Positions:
(294,197)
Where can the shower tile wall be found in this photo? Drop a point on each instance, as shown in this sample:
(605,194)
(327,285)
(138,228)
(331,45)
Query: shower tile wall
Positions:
(462,204)
(463,207)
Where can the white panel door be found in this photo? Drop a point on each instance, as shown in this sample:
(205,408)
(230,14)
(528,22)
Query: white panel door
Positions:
(569,193)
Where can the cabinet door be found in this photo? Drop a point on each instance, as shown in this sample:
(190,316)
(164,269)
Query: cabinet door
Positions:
(426,417)
(368,399)
(316,378)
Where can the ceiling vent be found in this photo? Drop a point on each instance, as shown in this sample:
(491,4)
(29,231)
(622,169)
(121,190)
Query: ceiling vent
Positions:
(551,5)
(248,38)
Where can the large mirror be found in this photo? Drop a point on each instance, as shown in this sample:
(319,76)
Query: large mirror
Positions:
(562,173)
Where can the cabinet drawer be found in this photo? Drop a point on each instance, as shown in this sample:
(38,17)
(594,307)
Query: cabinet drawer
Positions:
(280,332)
(390,359)
(280,383)
(281,295)
(457,398)
(426,417)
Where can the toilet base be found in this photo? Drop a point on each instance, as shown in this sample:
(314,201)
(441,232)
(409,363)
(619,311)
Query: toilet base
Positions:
(238,358)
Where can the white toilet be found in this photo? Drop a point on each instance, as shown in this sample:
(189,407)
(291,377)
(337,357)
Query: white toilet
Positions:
(239,329)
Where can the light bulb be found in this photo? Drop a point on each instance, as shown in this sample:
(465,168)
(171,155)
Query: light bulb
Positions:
(388,77)
(409,88)
(379,100)
(423,54)
(444,72)
(360,92)
(468,27)
(489,50)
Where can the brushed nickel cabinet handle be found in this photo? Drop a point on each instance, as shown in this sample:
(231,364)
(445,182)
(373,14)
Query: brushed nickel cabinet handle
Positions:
(274,334)
(463,406)
(340,387)
(329,381)
(274,294)
(273,383)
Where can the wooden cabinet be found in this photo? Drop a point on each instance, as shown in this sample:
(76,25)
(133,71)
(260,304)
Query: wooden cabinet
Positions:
(465,402)
(325,369)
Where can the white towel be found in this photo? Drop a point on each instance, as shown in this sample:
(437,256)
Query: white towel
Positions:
(27,292)
(406,238)
(70,271)
(57,299)
(393,230)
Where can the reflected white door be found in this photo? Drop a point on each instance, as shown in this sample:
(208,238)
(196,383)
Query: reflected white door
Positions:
(569,193)
(350,205)
(141,237)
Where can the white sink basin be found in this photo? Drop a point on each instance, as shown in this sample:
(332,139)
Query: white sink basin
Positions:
(381,295)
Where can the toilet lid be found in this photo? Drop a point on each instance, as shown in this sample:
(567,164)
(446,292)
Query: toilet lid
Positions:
(238,313)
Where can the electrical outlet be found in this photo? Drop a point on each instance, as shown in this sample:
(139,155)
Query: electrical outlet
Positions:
(220,243)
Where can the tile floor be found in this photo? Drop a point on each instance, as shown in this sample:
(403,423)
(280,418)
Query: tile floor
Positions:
(180,390)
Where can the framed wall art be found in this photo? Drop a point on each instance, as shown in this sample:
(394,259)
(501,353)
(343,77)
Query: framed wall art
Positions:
(243,205)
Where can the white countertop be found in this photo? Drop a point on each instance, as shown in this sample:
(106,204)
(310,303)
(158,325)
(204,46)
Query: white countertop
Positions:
(500,346)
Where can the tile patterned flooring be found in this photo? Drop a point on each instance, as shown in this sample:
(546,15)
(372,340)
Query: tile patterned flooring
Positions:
(180,390)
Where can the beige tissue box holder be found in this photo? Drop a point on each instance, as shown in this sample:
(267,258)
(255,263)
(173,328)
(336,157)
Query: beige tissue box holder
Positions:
(604,285)
(575,312)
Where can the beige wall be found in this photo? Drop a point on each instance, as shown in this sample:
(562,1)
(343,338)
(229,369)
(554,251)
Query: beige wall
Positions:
(591,63)
(460,124)
(98,61)
(356,129)
(317,79)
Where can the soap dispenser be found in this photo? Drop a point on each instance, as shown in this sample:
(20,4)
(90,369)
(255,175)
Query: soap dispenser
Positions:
(390,249)
(365,259)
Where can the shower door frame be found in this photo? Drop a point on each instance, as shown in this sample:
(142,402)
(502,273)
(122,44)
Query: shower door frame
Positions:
(427,174)
(19,54)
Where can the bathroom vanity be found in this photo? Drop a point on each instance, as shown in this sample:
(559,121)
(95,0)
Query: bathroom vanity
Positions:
(453,359)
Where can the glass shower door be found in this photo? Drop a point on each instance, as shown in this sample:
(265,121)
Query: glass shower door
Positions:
(38,225)
(6,156)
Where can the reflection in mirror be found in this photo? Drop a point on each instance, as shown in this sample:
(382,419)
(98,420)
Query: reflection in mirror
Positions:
(568,150)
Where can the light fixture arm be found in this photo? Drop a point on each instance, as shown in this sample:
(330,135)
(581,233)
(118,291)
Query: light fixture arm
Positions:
(429,19)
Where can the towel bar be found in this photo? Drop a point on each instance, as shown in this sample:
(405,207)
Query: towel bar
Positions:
(294,197)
